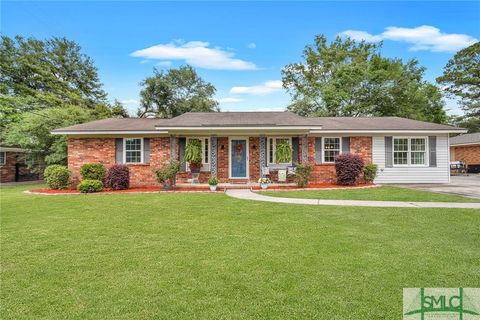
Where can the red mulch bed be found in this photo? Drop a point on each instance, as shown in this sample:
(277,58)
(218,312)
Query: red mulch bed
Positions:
(197,189)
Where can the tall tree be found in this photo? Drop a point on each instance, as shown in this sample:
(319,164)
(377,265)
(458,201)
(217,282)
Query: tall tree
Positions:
(348,78)
(175,92)
(461,80)
(36,74)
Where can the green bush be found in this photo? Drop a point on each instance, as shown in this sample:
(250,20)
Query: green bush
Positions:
(93,171)
(168,171)
(57,176)
(89,186)
(302,174)
(370,172)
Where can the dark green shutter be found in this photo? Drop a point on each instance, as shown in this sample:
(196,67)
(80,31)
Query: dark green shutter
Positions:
(119,150)
(318,150)
(181,153)
(432,148)
(295,149)
(388,153)
(146,150)
(345,144)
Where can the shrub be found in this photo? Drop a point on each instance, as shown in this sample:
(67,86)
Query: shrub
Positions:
(56,176)
(370,172)
(89,186)
(302,174)
(348,167)
(213,181)
(118,177)
(168,171)
(93,171)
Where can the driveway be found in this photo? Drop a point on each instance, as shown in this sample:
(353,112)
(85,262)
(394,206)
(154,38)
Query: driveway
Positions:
(462,185)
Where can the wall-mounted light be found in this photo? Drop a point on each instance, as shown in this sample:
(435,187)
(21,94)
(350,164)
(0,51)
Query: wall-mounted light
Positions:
(222,147)
(254,147)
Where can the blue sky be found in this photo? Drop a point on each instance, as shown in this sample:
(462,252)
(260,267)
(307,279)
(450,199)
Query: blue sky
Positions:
(240,47)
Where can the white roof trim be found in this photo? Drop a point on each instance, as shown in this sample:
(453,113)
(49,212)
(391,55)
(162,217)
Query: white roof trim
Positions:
(464,144)
(388,131)
(11,149)
(106,132)
(242,128)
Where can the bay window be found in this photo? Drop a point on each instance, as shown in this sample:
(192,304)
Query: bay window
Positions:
(409,151)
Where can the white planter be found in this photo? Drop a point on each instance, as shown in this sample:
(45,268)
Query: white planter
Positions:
(213,188)
(264,185)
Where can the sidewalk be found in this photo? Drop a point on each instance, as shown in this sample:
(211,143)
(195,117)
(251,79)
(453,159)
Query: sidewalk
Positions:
(249,195)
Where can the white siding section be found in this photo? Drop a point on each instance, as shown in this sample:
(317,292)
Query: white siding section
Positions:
(438,174)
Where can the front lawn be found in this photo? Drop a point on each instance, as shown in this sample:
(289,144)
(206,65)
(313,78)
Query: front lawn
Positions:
(208,256)
(383,193)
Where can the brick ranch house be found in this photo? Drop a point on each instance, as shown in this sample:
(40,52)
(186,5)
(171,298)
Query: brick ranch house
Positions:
(238,146)
(466,147)
(16,165)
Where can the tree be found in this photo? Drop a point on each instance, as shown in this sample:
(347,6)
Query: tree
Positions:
(32,131)
(461,78)
(348,78)
(36,74)
(118,110)
(175,92)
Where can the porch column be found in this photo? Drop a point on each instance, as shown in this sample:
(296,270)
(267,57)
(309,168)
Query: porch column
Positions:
(304,149)
(213,155)
(173,148)
(263,153)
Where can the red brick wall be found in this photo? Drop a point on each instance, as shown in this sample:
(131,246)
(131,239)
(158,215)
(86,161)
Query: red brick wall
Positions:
(102,150)
(7,171)
(469,154)
(254,158)
(222,159)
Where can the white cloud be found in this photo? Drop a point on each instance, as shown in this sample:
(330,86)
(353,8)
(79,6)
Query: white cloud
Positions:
(130,102)
(426,38)
(251,45)
(230,100)
(196,53)
(266,88)
(165,63)
(144,61)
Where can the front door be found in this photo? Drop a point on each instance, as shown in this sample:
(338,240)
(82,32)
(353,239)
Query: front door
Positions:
(238,158)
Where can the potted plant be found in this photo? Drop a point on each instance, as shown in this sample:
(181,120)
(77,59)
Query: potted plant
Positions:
(264,182)
(283,152)
(193,155)
(166,174)
(212,182)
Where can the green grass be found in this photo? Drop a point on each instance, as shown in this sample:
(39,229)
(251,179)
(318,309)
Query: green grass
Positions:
(208,256)
(378,193)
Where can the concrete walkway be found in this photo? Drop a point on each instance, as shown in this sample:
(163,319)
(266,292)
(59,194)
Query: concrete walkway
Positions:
(249,195)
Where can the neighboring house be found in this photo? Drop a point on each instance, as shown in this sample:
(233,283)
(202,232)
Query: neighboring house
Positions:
(16,165)
(466,147)
(237,146)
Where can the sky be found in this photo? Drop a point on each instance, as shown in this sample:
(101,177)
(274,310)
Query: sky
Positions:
(240,47)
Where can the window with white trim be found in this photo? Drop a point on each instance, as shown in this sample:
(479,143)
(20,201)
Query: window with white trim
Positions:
(409,151)
(205,142)
(272,148)
(3,158)
(332,147)
(133,150)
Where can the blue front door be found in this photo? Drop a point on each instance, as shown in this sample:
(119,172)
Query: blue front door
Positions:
(238,158)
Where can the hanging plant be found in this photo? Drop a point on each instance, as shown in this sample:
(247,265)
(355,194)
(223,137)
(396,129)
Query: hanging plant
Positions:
(283,153)
(193,152)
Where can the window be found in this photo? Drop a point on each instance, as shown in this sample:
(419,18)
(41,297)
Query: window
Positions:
(205,149)
(409,151)
(331,149)
(272,148)
(3,158)
(133,150)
